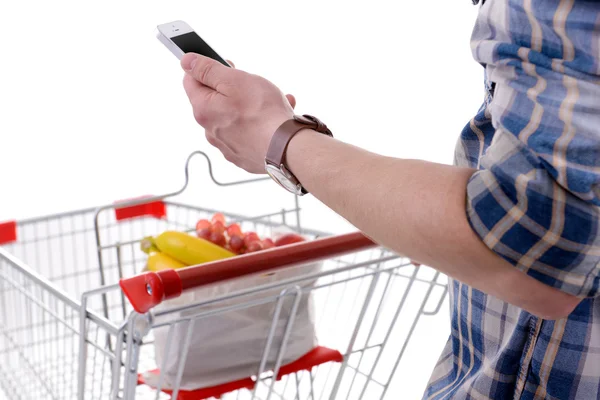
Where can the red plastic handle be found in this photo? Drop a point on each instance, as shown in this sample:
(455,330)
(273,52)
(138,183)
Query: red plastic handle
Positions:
(151,288)
(156,209)
(170,283)
(8,232)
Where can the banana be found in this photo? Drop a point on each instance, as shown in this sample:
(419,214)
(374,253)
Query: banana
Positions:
(158,261)
(147,245)
(185,248)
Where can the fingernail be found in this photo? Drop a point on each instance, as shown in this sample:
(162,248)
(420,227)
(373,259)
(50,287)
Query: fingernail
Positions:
(188,61)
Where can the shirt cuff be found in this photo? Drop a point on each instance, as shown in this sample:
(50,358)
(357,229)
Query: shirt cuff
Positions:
(550,238)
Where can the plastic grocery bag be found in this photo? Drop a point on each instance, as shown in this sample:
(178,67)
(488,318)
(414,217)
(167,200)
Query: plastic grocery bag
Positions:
(229,346)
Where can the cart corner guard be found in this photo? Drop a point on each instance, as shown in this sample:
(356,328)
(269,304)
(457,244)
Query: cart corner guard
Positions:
(149,289)
(156,209)
(8,232)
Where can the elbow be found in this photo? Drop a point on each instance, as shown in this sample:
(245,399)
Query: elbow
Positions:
(557,306)
(537,298)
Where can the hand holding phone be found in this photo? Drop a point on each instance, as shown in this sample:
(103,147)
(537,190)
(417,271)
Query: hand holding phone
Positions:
(219,105)
(180,38)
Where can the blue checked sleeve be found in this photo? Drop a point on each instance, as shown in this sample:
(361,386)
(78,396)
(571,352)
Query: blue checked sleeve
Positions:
(535,199)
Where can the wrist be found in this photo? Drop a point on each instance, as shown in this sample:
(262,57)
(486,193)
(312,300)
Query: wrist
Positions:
(302,136)
(281,158)
(301,146)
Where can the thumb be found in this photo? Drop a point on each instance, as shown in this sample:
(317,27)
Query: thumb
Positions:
(207,71)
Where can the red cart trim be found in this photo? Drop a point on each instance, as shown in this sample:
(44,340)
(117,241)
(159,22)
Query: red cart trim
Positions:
(8,232)
(317,356)
(205,393)
(156,209)
(307,362)
(151,288)
(168,286)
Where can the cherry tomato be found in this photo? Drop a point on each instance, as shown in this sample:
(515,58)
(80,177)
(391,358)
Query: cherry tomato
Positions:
(236,242)
(234,229)
(268,243)
(218,227)
(289,239)
(218,217)
(204,233)
(255,246)
(218,239)
(250,237)
(203,224)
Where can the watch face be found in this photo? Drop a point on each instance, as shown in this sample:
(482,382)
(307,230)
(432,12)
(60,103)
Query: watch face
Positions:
(283,180)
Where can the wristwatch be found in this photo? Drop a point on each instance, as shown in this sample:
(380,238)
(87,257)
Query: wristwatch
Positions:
(275,164)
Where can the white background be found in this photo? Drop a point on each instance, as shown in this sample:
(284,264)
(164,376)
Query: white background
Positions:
(92,108)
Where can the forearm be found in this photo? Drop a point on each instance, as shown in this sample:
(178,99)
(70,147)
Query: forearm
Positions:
(417,209)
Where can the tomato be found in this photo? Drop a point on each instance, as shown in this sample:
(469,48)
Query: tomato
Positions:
(204,233)
(250,237)
(234,229)
(218,217)
(218,239)
(203,224)
(255,246)
(218,227)
(289,238)
(268,243)
(236,242)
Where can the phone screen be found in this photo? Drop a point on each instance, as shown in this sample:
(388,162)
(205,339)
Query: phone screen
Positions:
(192,43)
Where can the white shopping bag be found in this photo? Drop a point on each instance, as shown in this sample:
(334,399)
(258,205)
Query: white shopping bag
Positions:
(229,346)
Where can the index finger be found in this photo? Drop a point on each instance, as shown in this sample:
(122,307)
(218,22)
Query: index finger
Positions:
(209,72)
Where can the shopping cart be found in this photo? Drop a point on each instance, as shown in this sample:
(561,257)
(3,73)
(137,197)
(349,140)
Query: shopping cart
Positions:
(69,331)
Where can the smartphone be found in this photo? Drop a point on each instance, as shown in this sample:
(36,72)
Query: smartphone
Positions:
(180,38)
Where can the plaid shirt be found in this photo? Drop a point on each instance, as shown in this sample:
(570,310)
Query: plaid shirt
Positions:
(535,201)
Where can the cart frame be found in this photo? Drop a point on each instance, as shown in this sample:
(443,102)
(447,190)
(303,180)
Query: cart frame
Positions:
(107,336)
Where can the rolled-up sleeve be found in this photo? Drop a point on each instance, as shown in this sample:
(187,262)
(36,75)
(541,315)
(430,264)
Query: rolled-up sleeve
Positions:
(535,200)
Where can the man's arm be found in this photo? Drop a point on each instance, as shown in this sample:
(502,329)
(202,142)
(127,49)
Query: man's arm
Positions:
(528,207)
(417,209)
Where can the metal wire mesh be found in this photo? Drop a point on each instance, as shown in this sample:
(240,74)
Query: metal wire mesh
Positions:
(363,304)
(54,343)
(38,337)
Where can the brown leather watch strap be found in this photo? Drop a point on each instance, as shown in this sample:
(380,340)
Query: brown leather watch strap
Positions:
(275,163)
(281,139)
(287,130)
